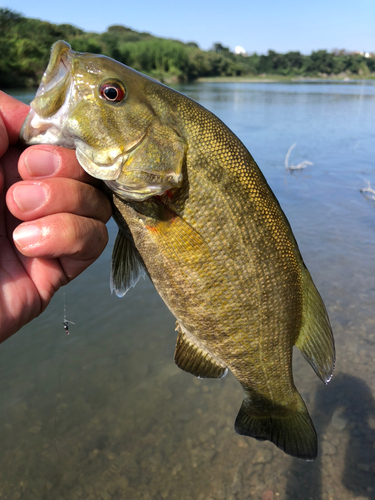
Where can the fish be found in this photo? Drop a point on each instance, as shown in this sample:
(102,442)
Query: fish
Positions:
(195,214)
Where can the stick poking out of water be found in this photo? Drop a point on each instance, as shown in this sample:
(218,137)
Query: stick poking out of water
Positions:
(368,189)
(300,166)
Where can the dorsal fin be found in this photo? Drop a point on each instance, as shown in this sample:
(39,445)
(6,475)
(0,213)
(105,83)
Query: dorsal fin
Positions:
(315,340)
(127,266)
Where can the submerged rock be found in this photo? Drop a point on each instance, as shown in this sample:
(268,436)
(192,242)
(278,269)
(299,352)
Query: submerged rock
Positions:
(262,457)
(338,421)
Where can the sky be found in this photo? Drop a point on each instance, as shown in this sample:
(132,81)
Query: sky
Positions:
(256,25)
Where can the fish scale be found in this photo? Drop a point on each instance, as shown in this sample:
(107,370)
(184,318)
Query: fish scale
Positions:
(196,214)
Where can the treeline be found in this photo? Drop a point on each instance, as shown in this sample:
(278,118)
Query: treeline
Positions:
(26,43)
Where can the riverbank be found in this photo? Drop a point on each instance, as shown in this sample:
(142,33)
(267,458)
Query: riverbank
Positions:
(286,79)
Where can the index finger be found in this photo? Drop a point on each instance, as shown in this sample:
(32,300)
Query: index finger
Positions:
(43,160)
(12,116)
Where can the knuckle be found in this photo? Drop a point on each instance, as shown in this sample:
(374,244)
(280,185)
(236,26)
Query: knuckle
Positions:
(86,238)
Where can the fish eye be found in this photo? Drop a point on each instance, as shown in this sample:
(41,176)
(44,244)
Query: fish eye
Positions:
(113,92)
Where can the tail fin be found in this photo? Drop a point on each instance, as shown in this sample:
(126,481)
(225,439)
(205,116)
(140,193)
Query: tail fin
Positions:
(293,431)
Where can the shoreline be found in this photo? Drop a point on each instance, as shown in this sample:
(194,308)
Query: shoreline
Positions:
(242,79)
(284,79)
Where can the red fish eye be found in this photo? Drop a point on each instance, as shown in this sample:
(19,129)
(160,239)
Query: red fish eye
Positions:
(112,92)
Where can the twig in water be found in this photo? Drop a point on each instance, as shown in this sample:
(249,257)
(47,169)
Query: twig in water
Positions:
(300,166)
(368,189)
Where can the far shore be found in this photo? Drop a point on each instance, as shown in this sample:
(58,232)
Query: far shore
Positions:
(279,78)
(240,79)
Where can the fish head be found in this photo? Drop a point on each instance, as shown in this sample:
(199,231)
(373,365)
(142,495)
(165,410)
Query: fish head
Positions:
(106,112)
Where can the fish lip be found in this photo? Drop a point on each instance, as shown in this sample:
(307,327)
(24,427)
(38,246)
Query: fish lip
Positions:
(55,81)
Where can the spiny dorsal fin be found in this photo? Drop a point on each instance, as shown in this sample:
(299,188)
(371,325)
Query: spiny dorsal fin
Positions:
(192,358)
(126,267)
(315,340)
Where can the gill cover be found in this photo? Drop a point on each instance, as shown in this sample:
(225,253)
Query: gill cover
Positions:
(153,167)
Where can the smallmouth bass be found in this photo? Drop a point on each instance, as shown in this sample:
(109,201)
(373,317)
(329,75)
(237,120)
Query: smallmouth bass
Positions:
(196,214)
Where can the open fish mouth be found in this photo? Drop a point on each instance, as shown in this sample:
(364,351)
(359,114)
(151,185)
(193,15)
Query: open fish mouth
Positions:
(53,101)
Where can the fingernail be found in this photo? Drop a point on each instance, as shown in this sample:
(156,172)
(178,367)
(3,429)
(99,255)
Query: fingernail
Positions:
(41,163)
(29,196)
(26,235)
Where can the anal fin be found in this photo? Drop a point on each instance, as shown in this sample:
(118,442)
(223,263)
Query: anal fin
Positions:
(194,359)
(127,266)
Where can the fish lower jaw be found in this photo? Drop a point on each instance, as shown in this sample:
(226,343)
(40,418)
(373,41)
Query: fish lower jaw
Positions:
(103,172)
(133,193)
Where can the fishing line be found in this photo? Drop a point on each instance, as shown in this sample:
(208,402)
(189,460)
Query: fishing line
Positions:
(65,320)
(66,323)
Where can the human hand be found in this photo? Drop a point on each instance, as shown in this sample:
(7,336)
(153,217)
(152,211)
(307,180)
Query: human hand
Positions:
(52,221)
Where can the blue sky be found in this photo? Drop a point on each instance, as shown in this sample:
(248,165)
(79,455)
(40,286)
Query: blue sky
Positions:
(256,25)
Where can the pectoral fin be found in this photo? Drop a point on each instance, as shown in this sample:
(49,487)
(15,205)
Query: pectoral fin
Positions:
(193,358)
(178,238)
(127,266)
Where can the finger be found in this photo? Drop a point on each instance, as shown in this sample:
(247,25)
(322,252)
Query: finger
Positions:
(29,200)
(62,235)
(42,161)
(9,163)
(2,209)
(12,116)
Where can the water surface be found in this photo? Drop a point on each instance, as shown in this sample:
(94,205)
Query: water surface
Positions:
(105,414)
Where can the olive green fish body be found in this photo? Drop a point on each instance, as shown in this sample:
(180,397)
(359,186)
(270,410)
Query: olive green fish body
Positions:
(196,213)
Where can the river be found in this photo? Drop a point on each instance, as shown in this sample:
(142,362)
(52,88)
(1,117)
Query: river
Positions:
(104,413)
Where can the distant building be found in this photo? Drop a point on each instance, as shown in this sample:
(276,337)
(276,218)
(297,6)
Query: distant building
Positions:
(240,50)
(360,53)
